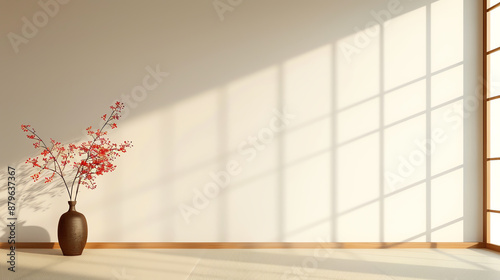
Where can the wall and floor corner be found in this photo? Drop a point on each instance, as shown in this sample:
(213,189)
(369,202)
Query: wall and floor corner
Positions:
(278,121)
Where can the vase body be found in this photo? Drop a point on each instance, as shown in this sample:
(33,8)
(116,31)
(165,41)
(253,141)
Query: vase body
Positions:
(72,231)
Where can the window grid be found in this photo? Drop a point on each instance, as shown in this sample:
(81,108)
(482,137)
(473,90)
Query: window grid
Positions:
(487,98)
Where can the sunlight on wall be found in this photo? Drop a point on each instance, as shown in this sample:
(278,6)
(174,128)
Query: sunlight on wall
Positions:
(374,151)
(447,207)
(408,205)
(410,124)
(404,42)
(447,39)
(357,181)
(307,199)
(249,103)
(193,119)
(196,151)
(306,143)
(247,211)
(404,102)
(249,106)
(448,152)
(357,121)
(286,190)
(307,83)
(402,155)
(358,73)
(443,89)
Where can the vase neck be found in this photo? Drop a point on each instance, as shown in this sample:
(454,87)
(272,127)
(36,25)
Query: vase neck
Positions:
(72,205)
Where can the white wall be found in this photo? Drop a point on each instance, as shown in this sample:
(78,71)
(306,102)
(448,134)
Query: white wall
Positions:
(347,167)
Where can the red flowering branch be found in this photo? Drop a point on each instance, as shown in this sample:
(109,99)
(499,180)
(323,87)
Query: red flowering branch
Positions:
(51,159)
(89,159)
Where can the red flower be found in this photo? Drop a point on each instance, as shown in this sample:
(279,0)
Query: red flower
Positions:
(25,127)
(88,159)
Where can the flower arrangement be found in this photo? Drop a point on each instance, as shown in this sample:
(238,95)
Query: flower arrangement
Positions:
(85,161)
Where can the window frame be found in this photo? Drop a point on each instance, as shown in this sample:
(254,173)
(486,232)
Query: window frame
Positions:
(487,211)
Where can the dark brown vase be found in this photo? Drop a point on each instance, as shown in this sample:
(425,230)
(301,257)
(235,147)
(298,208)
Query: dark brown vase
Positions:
(72,231)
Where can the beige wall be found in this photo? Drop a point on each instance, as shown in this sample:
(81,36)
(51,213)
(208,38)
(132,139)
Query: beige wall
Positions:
(367,83)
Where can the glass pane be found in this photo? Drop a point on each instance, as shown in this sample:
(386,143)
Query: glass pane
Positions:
(494,74)
(494,228)
(494,166)
(494,28)
(494,125)
(492,3)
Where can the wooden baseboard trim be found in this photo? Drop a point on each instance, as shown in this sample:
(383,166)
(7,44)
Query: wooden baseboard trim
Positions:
(257,245)
(492,247)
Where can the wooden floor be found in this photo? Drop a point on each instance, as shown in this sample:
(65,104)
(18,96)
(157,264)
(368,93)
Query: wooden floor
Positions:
(236,264)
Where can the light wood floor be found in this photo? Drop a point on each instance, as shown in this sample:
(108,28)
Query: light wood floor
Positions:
(296,264)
